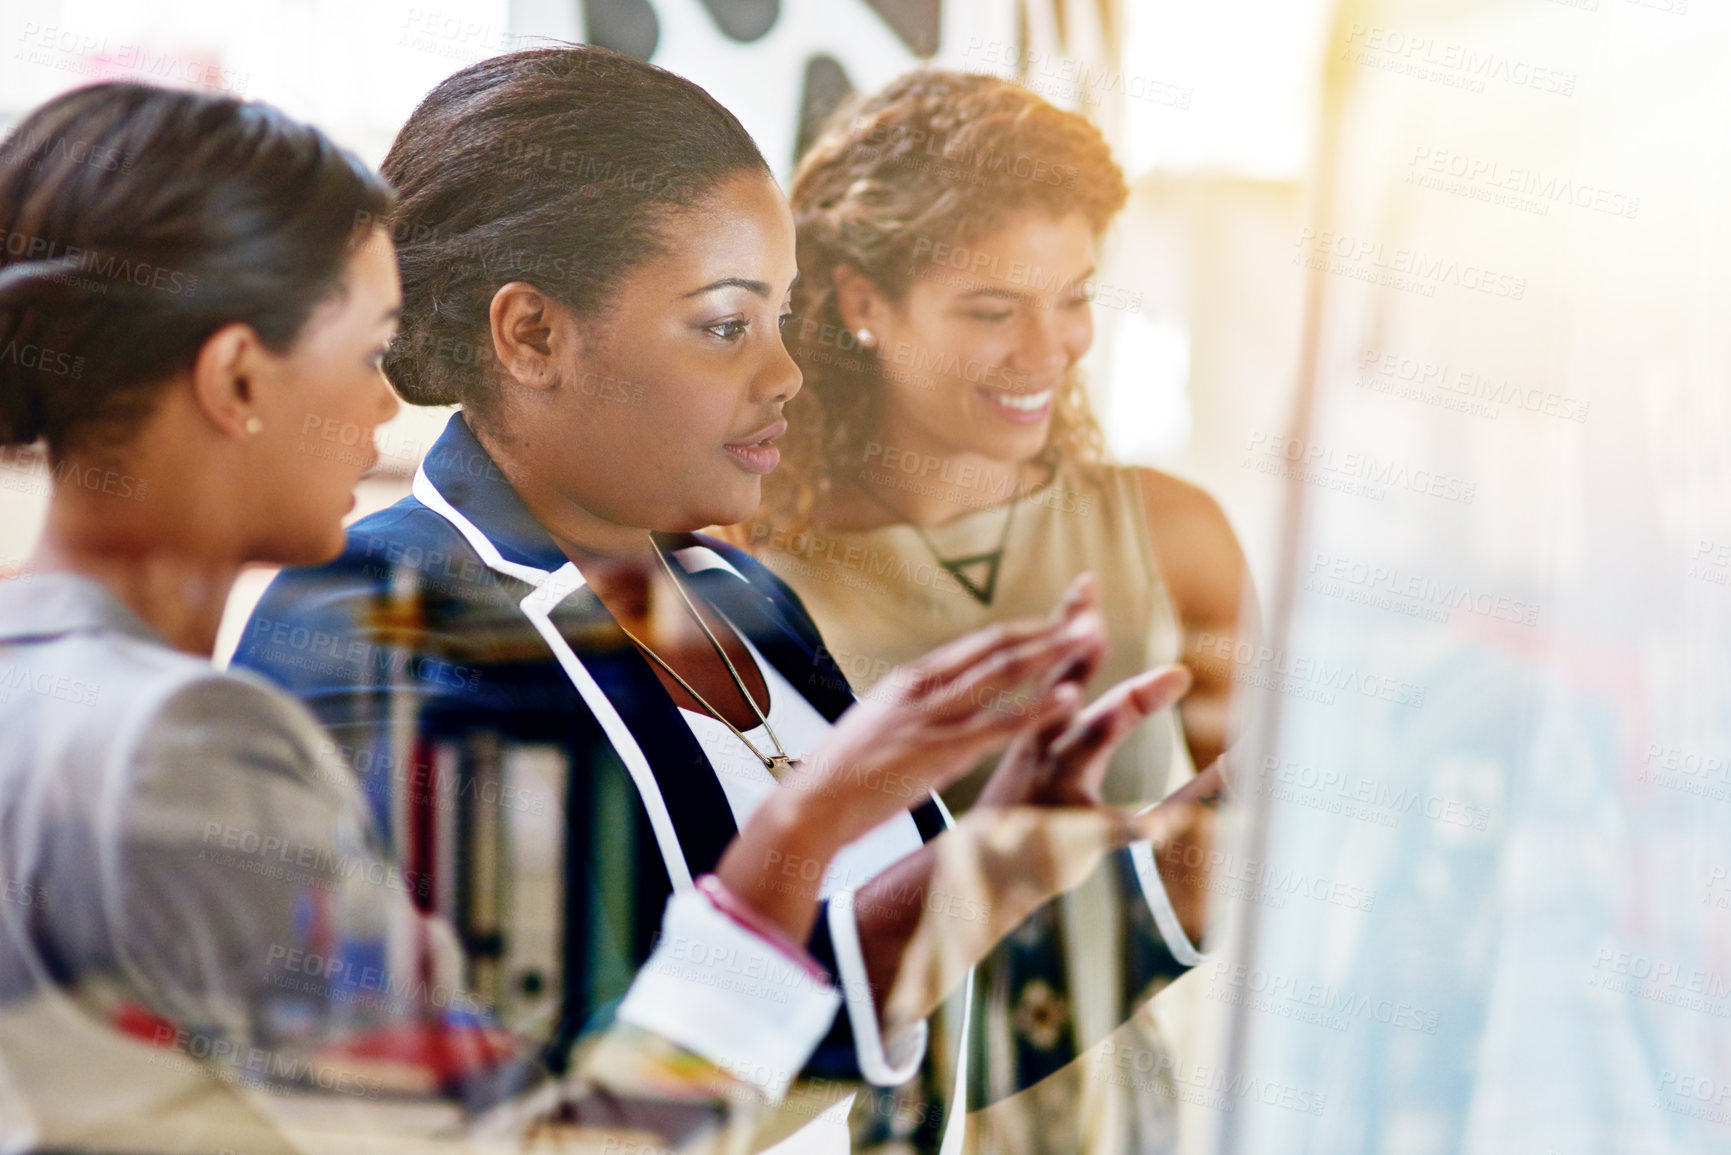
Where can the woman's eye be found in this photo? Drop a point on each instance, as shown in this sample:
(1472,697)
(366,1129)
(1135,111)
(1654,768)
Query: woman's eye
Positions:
(1001,315)
(376,359)
(786,319)
(728,330)
(1079,302)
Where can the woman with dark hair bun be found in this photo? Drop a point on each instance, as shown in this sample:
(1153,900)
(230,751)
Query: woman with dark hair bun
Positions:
(197,906)
(596,267)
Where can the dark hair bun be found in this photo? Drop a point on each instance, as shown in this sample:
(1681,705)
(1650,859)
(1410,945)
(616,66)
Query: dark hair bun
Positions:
(554,166)
(134,222)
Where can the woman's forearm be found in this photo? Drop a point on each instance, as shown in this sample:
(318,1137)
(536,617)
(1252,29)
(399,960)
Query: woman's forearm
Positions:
(768,866)
(1182,829)
(888,909)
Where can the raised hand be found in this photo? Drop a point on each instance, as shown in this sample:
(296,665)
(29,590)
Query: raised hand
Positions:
(1063,762)
(923,726)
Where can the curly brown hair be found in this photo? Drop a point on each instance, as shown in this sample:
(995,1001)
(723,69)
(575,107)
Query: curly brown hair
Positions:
(937,155)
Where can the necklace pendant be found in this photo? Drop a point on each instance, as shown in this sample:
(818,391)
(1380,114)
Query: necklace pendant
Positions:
(980,591)
(778,764)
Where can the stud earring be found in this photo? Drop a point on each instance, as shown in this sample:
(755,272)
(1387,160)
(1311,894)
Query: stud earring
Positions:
(253,425)
(865,338)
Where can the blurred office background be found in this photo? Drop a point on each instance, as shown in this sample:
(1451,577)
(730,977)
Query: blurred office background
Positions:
(1431,295)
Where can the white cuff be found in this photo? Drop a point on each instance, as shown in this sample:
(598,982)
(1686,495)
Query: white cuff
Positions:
(727,996)
(883,1064)
(1160,905)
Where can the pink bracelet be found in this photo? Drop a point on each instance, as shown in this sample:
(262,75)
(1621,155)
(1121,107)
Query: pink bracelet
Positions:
(735,908)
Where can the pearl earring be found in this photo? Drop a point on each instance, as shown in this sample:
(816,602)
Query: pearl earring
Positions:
(865,338)
(253,425)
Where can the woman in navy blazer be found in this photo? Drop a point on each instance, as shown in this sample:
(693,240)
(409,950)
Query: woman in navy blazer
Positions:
(595,263)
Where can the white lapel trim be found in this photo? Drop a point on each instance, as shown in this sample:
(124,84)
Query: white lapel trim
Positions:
(538,607)
(697,558)
(551,589)
(956,1129)
(428,495)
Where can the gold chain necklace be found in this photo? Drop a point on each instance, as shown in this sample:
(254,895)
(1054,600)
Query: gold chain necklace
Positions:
(776,763)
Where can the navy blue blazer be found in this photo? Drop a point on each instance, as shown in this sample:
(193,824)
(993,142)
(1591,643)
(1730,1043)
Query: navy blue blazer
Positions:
(453,621)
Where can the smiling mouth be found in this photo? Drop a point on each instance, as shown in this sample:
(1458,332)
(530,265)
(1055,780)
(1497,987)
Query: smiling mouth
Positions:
(1020,406)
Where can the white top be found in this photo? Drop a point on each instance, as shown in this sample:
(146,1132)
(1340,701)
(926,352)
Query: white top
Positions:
(747,783)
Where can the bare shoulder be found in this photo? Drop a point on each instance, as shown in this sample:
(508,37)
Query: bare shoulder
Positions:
(1198,552)
(1179,511)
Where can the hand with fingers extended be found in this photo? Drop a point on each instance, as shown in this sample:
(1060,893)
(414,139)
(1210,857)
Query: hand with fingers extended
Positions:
(923,726)
(1063,761)
(930,721)
(1045,792)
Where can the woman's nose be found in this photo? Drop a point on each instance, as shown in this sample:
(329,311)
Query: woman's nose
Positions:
(780,379)
(1042,349)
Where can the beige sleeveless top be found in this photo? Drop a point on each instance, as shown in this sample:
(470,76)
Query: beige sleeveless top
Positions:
(881,598)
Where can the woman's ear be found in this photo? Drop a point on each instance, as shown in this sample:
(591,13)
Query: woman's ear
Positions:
(858,301)
(528,330)
(225,376)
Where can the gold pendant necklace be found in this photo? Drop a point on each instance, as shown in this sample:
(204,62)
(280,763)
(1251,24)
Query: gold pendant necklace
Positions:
(957,567)
(775,763)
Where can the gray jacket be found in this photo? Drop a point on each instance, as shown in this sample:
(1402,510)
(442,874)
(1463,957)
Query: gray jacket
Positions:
(194,910)
(190,898)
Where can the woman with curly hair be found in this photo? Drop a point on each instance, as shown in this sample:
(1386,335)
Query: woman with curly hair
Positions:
(943,468)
